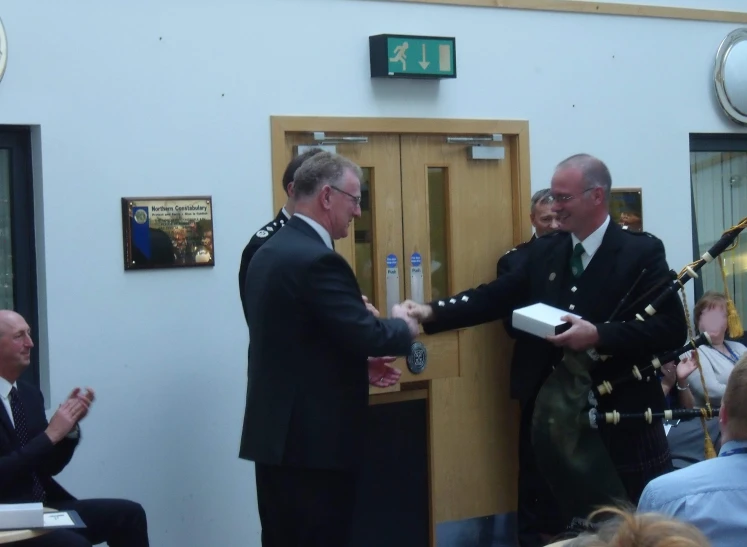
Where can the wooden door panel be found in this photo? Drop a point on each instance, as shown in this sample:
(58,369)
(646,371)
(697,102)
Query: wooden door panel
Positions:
(473,423)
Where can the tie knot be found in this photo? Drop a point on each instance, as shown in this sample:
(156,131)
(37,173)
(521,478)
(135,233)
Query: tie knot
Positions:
(13,392)
(578,250)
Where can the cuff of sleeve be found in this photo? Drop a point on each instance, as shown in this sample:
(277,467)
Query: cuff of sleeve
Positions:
(604,331)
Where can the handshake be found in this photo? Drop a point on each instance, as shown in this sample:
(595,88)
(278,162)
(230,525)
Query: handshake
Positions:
(413,314)
(381,373)
(409,311)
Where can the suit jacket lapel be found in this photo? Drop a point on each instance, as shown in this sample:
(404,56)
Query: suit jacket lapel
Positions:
(5,419)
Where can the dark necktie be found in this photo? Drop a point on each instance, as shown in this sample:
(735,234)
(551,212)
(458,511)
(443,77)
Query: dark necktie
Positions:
(577,267)
(22,430)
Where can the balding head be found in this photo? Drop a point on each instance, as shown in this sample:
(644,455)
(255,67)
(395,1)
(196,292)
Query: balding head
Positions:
(581,190)
(594,172)
(15,345)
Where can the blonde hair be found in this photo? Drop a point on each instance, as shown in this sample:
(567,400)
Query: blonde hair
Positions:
(628,529)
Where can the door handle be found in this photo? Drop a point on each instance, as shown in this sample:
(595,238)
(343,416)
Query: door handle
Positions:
(416,278)
(392,283)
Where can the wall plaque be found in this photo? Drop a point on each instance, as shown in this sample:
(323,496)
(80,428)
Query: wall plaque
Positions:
(168,232)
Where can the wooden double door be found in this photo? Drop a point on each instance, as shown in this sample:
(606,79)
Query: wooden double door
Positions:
(434,222)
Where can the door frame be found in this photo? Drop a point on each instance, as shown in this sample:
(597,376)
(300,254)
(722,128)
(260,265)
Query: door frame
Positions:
(516,132)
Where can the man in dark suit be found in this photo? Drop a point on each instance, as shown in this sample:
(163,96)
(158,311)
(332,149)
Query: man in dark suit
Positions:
(586,268)
(537,513)
(309,368)
(32,451)
(271,228)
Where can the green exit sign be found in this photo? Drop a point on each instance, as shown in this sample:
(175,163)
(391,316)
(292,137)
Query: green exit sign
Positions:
(422,57)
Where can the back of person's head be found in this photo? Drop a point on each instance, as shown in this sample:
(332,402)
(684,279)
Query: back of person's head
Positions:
(295,163)
(734,402)
(627,529)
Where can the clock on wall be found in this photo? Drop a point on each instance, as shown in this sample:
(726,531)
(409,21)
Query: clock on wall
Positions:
(3,50)
(730,75)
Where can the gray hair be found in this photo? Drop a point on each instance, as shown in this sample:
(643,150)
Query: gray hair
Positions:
(594,171)
(320,169)
(541,197)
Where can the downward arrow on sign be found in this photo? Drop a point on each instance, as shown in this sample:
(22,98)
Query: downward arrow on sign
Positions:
(424,63)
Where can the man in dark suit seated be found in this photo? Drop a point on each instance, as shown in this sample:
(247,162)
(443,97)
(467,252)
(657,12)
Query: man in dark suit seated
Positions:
(587,267)
(309,369)
(33,451)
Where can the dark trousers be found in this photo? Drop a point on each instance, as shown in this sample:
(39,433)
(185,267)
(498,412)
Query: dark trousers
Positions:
(304,507)
(538,514)
(118,523)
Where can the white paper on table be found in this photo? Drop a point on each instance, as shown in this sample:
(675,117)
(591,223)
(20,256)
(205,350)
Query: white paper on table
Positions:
(60,518)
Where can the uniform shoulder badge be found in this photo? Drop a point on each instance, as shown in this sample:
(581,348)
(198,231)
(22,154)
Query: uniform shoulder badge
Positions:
(639,233)
(263,233)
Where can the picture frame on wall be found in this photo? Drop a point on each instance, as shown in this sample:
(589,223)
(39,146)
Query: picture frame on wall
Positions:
(626,208)
(167,232)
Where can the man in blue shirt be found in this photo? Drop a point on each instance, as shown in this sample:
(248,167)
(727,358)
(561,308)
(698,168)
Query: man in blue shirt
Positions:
(712,494)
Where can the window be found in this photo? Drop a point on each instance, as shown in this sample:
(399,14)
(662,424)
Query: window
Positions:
(718,175)
(17,247)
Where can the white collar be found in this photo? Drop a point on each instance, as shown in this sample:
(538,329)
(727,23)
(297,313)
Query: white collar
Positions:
(5,387)
(319,229)
(286,213)
(594,240)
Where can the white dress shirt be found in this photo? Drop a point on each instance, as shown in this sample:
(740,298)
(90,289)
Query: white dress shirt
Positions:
(324,234)
(286,213)
(5,387)
(592,242)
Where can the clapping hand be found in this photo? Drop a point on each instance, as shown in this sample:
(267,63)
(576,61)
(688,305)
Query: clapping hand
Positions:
(686,367)
(381,373)
(84,397)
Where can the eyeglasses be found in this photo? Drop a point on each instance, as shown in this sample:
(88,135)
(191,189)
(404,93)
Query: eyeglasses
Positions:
(565,198)
(356,199)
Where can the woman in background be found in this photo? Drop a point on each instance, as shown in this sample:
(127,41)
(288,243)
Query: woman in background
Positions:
(716,360)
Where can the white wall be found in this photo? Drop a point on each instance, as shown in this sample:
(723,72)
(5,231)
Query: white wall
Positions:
(173,97)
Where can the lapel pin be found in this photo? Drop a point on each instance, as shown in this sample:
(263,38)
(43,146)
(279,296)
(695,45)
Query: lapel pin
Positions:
(552,276)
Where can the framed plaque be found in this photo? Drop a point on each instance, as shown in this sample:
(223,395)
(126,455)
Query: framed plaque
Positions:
(626,208)
(168,232)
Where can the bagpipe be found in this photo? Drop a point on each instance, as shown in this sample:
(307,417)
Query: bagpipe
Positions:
(568,447)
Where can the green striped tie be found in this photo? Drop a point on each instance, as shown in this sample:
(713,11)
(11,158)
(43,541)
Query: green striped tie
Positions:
(577,267)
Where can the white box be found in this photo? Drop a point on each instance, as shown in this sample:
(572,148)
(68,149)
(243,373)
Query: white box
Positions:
(541,320)
(18,516)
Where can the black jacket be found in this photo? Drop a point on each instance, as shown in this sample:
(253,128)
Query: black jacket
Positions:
(311,335)
(39,454)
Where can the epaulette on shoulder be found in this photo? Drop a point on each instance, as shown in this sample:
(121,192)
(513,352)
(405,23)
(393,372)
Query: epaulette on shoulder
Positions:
(637,233)
(267,230)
